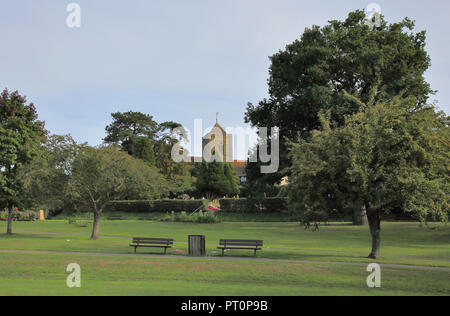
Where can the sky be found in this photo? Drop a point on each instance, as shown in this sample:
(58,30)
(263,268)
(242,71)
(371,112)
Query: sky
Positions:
(177,60)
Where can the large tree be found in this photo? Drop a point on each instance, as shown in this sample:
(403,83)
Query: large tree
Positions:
(216,179)
(20,135)
(100,175)
(387,157)
(144,150)
(47,176)
(127,127)
(312,73)
(143,138)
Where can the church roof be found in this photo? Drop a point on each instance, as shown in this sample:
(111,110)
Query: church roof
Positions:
(217,125)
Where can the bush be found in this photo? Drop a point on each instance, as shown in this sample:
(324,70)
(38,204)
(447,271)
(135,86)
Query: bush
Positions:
(22,215)
(156,206)
(266,205)
(203,218)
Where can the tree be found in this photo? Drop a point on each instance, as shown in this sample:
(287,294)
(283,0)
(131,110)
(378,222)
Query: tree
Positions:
(216,179)
(127,127)
(389,156)
(20,135)
(233,180)
(47,176)
(312,73)
(143,138)
(144,150)
(100,175)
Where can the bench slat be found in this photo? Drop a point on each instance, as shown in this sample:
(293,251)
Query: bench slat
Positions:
(245,248)
(150,246)
(240,242)
(146,238)
(152,240)
(164,240)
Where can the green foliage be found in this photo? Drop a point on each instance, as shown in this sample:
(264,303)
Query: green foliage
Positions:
(265,205)
(144,150)
(387,157)
(155,206)
(20,136)
(127,127)
(143,138)
(217,179)
(29,216)
(101,175)
(202,218)
(46,178)
(312,74)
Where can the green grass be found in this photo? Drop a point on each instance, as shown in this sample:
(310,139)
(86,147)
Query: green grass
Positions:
(335,242)
(24,274)
(402,243)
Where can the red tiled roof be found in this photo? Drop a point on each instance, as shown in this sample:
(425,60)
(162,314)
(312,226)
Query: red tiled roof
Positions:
(239,163)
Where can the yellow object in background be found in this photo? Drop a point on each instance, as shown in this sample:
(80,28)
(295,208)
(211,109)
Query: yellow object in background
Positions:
(41,215)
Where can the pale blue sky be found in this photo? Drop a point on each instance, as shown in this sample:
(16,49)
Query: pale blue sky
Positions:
(175,59)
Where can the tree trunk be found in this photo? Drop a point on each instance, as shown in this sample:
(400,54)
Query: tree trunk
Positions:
(375,229)
(96,227)
(360,216)
(10,220)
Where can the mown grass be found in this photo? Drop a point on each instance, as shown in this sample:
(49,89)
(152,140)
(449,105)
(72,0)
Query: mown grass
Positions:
(402,243)
(40,274)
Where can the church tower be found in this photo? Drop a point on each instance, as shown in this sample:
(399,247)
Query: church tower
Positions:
(223,142)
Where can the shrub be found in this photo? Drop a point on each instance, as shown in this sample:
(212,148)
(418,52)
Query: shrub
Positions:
(156,206)
(196,218)
(22,215)
(3,214)
(266,205)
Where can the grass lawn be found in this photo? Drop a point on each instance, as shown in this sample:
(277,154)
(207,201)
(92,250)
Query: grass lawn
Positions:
(24,274)
(402,243)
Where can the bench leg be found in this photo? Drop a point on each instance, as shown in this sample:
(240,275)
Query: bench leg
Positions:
(255,253)
(165,250)
(135,249)
(223,252)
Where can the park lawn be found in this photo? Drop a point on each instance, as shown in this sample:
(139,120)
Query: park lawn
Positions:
(402,243)
(45,274)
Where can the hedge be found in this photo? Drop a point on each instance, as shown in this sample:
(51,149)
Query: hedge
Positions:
(156,206)
(266,205)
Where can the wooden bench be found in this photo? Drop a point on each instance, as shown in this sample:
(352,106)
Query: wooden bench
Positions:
(240,244)
(115,218)
(151,243)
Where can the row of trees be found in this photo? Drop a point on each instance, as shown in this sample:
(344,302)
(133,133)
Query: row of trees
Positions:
(53,172)
(142,137)
(357,135)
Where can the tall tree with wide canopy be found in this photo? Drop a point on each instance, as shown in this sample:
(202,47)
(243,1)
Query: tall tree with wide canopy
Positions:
(127,127)
(312,73)
(388,156)
(143,138)
(46,178)
(100,175)
(20,135)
